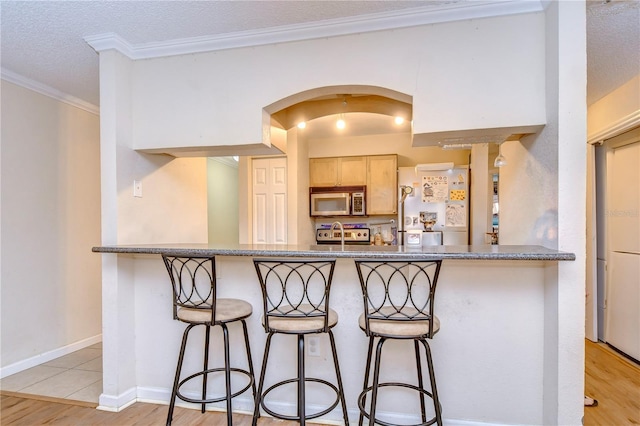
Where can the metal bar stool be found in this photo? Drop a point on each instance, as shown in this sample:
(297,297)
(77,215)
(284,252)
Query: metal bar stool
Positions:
(296,302)
(194,302)
(398,304)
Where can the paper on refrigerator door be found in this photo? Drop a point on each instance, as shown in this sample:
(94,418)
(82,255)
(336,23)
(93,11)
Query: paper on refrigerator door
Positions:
(435,189)
(456,215)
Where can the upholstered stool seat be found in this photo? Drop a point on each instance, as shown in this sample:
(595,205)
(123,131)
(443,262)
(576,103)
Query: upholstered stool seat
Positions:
(296,302)
(298,322)
(227,310)
(398,305)
(408,329)
(194,302)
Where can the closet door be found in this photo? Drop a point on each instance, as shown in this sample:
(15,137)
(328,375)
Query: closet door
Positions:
(269,182)
(623,244)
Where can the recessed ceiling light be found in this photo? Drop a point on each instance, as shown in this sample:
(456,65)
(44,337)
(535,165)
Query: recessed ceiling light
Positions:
(302,125)
(399,120)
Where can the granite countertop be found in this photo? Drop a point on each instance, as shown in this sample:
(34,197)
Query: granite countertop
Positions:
(477,252)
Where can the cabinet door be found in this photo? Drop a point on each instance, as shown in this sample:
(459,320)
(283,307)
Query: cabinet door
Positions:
(382,184)
(323,171)
(352,171)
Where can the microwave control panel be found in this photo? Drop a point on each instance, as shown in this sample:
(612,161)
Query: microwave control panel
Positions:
(357,203)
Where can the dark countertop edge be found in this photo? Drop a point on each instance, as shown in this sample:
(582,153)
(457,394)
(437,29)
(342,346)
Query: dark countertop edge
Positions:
(465,252)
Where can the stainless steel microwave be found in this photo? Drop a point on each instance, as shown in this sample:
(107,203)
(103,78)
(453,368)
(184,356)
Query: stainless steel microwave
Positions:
(337,201)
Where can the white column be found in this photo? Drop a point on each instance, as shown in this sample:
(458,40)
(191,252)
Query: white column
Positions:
(119,373)
(565,289)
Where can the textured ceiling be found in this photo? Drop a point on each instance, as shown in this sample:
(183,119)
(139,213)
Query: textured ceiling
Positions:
(613,45)
(44,40)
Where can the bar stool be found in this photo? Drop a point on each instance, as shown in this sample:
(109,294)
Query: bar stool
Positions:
(296,302)
(398,304)
(195,302)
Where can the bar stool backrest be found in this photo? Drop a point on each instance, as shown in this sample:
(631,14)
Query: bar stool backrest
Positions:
(399,290)
(194,282)
(295,289)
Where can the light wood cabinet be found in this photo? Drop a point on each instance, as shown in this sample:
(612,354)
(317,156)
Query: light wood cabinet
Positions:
(378,172)
(382,184)
(338,171)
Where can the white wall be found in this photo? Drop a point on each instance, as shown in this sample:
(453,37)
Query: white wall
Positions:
(50,220)
(488,355)
(216,98)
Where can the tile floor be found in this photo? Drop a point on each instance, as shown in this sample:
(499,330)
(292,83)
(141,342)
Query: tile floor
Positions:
(77,376)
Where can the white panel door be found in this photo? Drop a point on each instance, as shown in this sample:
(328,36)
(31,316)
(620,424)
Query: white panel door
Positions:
(623,254)
(269,201)
(624,199)
(623,300)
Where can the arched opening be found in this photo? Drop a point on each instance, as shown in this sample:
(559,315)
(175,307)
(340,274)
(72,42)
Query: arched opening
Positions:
(335,100)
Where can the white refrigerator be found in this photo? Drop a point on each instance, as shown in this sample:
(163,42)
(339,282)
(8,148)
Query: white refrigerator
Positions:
(623,254)
(440,195)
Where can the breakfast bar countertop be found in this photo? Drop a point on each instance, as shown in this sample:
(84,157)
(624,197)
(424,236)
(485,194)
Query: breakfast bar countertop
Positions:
(472,252)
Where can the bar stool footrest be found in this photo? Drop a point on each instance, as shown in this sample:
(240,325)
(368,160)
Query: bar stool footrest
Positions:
(214,370)
(308,416)
(364,393)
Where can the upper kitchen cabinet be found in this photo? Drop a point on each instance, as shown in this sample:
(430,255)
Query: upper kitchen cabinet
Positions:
(338,171)
(382,184)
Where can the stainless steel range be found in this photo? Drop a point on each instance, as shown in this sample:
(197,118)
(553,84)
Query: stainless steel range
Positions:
(351,236)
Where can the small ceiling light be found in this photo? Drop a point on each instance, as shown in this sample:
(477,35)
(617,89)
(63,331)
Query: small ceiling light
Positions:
(236,158)
(500,159)
(340,124)
(302,125)
(399,120)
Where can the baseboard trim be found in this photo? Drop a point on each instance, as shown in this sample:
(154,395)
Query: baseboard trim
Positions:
(244,405)
(118,403)
(25,364)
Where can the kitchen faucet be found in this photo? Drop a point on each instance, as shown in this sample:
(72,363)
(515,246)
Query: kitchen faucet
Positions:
(341,232)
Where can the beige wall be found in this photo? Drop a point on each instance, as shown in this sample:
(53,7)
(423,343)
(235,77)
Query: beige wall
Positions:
(616,112)
(222,201)
(50,220)
(399,144)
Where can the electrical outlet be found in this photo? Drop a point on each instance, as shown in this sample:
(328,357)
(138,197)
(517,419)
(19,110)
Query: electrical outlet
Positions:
(313,345)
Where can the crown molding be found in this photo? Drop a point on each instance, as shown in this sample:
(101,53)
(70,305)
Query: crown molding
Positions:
(43,89)
(106,41)
(320,29)
(616,128)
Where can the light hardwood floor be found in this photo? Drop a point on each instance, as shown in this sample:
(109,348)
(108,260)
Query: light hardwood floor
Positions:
(26,410)
(615,382)
(609,378)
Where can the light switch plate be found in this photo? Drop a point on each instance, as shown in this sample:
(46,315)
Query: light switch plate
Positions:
(137,188)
